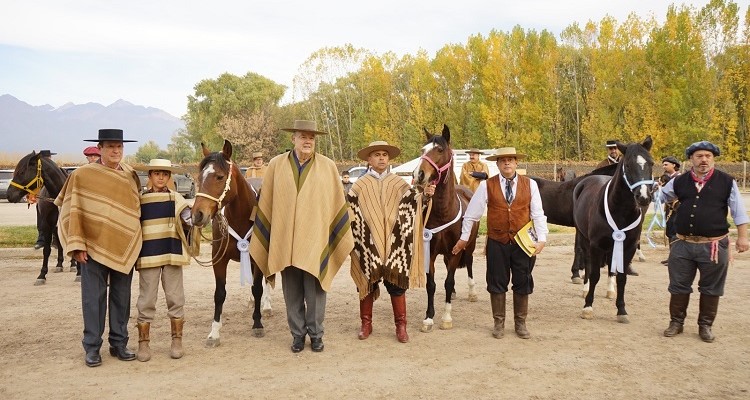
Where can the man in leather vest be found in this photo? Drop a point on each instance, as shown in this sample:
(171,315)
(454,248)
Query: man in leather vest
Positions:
(511,200)
(706,195)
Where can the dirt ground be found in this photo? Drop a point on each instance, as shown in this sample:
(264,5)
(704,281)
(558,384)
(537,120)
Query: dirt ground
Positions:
(566,357)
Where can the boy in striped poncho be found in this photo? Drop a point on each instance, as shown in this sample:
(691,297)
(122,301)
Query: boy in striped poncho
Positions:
(164,217)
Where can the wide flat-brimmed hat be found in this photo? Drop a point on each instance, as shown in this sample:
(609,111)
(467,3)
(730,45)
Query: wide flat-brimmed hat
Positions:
(611,143)
(159,164)
(476,151)
(111,135)
(393,151)
(91,151)
(672,160)
(46,153)
(257,154)
(505,152)
(302,125)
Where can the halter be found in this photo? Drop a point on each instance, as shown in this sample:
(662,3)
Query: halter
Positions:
(38,180)
(224,193)
(639,183)
(440,170)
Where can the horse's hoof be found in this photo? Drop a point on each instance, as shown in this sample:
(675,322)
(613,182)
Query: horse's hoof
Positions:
(58,269)
(623,319)
(78,279)
(40,282)
(587,313)
(577,280)
(73,269)
(427,325)
(453,296)
(259,332)
(446,325)
(473,298)
(267,312)
(211,342)
(611,295)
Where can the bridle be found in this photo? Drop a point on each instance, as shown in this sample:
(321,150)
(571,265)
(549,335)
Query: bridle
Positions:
(639,183)
(38,181)
(223,194)
(440,170)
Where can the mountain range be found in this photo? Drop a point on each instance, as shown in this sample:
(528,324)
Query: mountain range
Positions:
(24,127)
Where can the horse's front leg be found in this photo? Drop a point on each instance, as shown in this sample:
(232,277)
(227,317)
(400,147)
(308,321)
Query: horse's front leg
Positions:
(265,300)
(594,272)
(430,314)
(575,269)
(257,289)
(450,285)
(46,251)
(469,261)
(622,315)
(60,256)
(220,294)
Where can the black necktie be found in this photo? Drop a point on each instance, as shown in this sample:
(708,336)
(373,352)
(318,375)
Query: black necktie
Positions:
(509,190)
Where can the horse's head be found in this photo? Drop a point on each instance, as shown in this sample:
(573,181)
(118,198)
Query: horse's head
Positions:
(437,160)
(217,182)
(27,178)
(636,169)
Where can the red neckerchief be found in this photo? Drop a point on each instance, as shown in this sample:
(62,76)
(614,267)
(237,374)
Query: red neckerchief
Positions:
(699,182)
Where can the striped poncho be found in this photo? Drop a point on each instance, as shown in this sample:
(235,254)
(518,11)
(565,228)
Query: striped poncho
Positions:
(302,219)
(387,228)
(100,214)
(164,241)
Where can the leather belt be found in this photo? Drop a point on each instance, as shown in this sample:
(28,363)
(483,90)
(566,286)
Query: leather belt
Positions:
(700,239)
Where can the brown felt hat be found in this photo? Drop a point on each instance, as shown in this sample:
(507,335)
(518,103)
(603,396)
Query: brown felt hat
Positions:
(302,125)
(476,151)
(393,151)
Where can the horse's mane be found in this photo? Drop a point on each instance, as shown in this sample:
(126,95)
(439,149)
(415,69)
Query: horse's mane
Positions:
(439,140)
(217,158)
(23,165)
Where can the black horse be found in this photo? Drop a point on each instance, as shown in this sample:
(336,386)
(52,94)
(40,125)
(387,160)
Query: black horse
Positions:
(40,177)
(608,214)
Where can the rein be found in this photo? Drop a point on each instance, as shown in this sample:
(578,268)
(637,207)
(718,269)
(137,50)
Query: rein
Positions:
(440,170)
(38,180)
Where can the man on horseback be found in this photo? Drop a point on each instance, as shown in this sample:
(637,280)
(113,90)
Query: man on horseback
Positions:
(258,168)
(302,230)
(512,201)
(387,240)
(474,171)
(613,155)
(94,197)
(702,232)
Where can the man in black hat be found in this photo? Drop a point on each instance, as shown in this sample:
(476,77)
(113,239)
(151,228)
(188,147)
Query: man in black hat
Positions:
(39,222)
(706,195)
(100,227)
(613,155)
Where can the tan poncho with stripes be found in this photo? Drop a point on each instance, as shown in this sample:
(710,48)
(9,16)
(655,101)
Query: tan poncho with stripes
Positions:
(100,213)
(164,239)
(302,219)
(387,228)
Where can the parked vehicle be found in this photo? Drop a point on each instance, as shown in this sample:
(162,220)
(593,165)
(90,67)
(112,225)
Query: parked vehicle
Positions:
(184,183)
(356,172)
(6,175)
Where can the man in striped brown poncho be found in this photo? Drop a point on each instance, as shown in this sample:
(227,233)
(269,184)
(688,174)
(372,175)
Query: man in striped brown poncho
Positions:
(387,228)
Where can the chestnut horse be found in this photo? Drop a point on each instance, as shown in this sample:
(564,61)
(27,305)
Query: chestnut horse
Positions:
(443,222)
(227,200)
(40,177)
(608,214)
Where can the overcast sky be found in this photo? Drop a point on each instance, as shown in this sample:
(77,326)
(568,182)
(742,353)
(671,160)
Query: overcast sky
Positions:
(152,53)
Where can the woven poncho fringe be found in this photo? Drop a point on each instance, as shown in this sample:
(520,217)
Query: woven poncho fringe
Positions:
(160,228)
(100,213)
(387,227)
(302,219)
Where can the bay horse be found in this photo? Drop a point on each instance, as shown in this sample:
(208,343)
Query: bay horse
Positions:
(608,214)
(444,221)
(226,200)
(41,178)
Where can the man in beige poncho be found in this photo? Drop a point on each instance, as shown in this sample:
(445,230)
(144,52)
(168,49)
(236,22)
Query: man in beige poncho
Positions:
(302,230)
(100,227)
(387,228)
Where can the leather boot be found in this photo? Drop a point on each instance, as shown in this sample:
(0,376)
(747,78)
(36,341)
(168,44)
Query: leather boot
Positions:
(708,307)
(520,310)
(498,313)
(144,350)
(399,316)
(678,304)
(365,314)
(176,350)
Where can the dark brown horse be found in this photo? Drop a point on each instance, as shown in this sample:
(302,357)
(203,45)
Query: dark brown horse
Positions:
(227,200)
(608,215)
(40,177)
(443,223)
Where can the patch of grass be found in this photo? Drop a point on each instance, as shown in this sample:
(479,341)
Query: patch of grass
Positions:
(17,236)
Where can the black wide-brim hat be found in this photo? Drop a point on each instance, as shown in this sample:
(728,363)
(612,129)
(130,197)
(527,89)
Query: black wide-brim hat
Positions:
(111,135)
